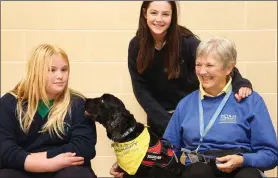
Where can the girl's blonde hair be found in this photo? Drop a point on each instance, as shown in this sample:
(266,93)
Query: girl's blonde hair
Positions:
(32,87)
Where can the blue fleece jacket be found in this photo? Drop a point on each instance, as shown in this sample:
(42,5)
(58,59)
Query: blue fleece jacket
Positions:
(240,125)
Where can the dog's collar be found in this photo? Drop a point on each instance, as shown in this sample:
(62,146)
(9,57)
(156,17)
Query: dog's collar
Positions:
(126,133)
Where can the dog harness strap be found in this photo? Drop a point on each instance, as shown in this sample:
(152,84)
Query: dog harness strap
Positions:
(152,155)
(159,155)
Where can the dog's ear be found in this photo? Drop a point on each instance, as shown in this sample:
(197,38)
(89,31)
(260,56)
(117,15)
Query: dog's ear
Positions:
(127,114)
(113,100)
(116,113)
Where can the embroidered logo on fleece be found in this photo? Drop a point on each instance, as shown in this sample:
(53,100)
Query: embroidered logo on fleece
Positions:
(227,119)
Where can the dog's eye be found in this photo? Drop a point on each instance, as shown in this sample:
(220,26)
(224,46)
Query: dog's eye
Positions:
(101,100)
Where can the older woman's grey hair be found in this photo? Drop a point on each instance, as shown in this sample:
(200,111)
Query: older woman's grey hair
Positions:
(224,49)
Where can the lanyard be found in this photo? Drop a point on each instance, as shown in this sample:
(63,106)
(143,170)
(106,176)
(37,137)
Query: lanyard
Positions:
(203,132)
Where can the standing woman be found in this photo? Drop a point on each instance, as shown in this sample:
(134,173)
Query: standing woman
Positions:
(161,62)
(43,131)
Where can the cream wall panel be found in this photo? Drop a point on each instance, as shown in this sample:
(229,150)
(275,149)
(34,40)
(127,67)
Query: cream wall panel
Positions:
(264,80)
(241,67)
(13,45)
(97,77)
(101,77)
(13,73)
(60,15)
(271,104)
(73,42)
(102,164)
(129,14)
(127,85)
(104,15)
(276,130)
(251,45)
(109,45)
(103,147)
(133,106)
(85,46)
(271,173)
(212,14)
(261,15)
(90,95)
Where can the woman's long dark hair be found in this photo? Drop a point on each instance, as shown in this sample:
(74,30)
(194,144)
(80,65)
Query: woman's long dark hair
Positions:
(173,39)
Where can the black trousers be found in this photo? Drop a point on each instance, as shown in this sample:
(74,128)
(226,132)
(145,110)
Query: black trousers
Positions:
(199,170)
(202,170)
(157,126)
(69,172)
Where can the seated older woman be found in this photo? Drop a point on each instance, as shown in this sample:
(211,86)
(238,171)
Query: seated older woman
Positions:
(210,121)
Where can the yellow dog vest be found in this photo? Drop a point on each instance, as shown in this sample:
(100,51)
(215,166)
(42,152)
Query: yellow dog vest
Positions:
(130,154)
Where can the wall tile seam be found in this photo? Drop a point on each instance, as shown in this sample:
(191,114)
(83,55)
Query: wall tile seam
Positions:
(235,30)
(255,62)
(275,51)
(117,93)
(268,93)
(123,61)
(68,30)
(261,93)
(5,61)
(71,61)
(245,15)
(125,30)
(131,93)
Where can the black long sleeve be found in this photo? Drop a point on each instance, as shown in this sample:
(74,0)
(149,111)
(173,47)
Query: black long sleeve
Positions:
(158,115)
(238,81)
(11,154)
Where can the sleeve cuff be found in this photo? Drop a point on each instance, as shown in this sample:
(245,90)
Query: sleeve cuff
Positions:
(247,160)
(51,153)
(20,160)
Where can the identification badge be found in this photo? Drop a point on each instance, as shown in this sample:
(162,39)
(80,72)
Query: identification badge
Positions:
(193,158)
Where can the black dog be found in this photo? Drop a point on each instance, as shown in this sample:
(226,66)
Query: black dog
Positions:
(121,127)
